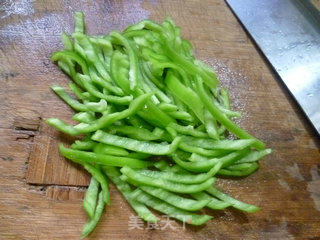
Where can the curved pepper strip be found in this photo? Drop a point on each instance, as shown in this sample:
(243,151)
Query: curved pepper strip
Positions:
(155,116)
(92,223)
(148,73)
(205,152)
(139,179)
(66,41)
(234,202)
(105,84)
(167,107)
(86,81)
(181,177)
(186,95)
(91,55)
(83,157)
(187,130)
(138,132)
(145,24)
(101,148)
(211,125)
(79,22)
(85,117)
(81,94)
(97,174)
(231,126)
(176,200)
(118,72)
(204,166)
(210,79)
(108,119)
(251,168)
(83,145)
(134,74)
(126,190)
(90,199)
(231,145)
(68,55)
(136,145)
(254,156)
(138,122)
(76,105)
(213,203)
(153,88)
(161,206)
(181,115)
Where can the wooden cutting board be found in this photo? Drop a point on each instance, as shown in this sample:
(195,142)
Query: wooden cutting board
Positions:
(41,193)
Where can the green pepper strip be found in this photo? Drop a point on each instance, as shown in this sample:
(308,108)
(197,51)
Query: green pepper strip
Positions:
(204,166)
(101,148)
(181,115)
(118,73)
(161,206)
(95,92)
(83,157)
(219,144)
(66,41)
(81,94)
(134,73)
(97,174)
(139,179)
(205,152)
(137,132)
(211,125)
(62,126)
(150,76)
(188,66)
(231,126)
(85,117)
(68,55)
(213,203)
(176,200)
(76,105)
(91,56)
(187,130)
(167,107)
(90,199)
(108,119)
(125,189)
(79,22)
(83,145)
(227,112)
(136,145)
(185,94)
(181,177)
(251,168)
(254,156)
(105,84)
(92,223)
(235,203)
(224,96)
(155,116)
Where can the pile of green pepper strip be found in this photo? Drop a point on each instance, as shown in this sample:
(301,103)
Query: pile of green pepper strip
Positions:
(142,93)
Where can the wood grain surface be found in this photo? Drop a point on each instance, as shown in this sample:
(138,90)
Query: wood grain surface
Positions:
(41,193)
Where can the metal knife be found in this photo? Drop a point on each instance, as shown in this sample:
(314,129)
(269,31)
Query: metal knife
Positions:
(288,34)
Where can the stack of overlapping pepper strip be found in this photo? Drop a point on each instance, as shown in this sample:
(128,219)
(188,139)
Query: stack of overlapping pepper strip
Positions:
(142,93)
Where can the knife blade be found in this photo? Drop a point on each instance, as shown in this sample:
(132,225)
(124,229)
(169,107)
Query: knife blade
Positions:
(288,34)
